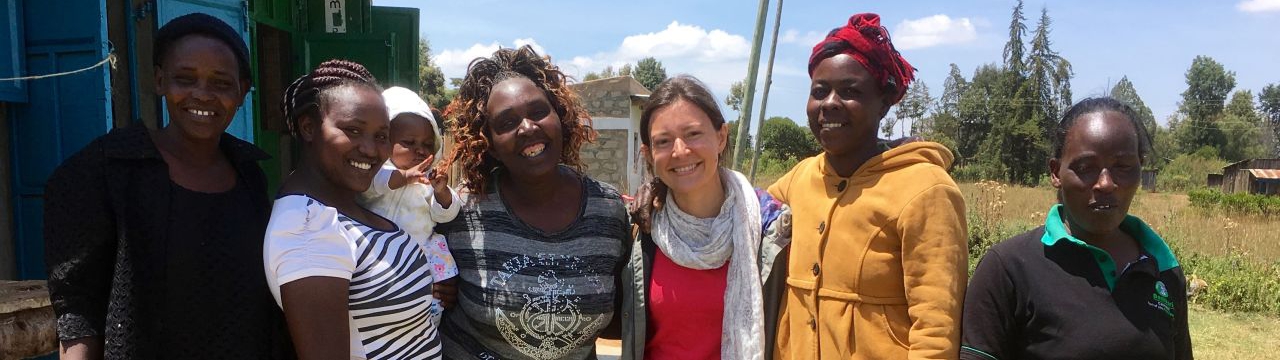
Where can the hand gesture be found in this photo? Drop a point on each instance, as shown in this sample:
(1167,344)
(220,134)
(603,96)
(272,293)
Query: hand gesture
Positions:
(419,173)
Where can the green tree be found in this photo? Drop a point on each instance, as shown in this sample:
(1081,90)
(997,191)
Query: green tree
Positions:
(605,73)
(915,105)
(944,123)
(782,137)
(1013,49)
(625,70)
(1242,126)
(1269,106)
(975,110)
(1126,93)
(951,90)
(737,91)
(733,137)
(887,124)
(431,82)
(1208,84)
(650,72)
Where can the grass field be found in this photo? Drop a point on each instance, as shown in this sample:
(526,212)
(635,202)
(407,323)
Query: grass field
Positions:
(1236,336)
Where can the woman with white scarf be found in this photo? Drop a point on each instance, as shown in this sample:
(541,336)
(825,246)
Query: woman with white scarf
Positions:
(695,271)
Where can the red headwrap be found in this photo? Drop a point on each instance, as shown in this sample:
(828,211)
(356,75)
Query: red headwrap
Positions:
(869,44)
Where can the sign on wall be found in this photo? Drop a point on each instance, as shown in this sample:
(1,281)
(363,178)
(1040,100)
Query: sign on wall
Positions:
(335,16)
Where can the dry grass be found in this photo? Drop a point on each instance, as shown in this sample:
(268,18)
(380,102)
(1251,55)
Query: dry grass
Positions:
(1188,229)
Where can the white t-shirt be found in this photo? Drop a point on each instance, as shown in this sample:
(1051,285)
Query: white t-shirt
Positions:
(389,299)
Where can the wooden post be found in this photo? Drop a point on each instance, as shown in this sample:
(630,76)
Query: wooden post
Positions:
(27,325)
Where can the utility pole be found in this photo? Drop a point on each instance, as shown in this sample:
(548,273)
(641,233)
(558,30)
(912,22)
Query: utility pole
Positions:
(744,126)
(768,81)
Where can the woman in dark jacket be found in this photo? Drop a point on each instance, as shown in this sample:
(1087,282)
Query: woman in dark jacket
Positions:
(1094,282)
(153,238)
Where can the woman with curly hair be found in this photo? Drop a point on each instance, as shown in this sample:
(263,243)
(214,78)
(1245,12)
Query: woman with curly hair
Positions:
(538,243)
(352,284)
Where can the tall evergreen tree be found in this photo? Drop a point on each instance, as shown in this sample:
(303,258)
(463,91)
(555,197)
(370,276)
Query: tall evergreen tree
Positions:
(1013,49)
(1127,92)
(951,90)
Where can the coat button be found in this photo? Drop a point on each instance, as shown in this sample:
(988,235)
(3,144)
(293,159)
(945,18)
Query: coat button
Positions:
(841,185)
(822,226)
(813,324)
(815,269)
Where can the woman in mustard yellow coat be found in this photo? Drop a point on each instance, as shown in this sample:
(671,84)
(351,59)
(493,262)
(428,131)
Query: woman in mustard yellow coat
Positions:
(877,263)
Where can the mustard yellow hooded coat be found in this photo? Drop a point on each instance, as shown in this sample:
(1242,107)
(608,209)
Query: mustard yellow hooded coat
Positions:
(878,260)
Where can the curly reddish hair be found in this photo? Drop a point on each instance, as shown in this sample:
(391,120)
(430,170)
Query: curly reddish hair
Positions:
(471,132)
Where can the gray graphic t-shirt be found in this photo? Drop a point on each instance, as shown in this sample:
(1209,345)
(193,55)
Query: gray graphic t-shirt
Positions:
(525,294)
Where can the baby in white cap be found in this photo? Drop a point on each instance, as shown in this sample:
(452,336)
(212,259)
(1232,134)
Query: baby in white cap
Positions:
(407,193)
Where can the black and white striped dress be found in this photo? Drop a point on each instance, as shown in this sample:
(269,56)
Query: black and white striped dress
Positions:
(390,294)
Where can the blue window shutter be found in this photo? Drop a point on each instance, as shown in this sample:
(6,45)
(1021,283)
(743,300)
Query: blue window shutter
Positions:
(12,52)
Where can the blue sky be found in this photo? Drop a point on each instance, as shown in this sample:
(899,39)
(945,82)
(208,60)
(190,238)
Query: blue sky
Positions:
(1151,42)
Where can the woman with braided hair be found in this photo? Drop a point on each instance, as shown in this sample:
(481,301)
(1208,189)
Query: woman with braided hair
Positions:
(538,243)
(352,284)
(877,261)
(153,238)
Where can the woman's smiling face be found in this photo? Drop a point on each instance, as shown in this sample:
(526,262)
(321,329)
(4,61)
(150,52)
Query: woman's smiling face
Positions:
(351,140)
(201,84)
(524,128)
(684,147)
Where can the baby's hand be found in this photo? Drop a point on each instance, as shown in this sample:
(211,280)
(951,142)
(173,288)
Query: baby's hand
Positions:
(440,183)
(420,173)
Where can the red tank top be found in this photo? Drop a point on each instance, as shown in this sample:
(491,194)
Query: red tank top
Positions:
(686,311)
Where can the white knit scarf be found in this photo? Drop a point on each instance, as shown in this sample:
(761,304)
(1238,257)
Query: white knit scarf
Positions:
(732,236)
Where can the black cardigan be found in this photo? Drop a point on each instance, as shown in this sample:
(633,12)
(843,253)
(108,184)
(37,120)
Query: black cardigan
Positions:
(106,213)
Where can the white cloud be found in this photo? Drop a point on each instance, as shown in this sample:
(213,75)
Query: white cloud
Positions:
(453,62)
(685,42)
(793,36)
(715,56)
(1257,6)
(933,31)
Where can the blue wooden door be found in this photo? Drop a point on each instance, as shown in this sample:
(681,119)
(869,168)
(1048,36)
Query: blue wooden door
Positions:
(235,13)
(61,114)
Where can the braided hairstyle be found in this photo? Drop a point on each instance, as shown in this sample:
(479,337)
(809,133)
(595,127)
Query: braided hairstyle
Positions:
(471,132)
(651,195)
(311,94)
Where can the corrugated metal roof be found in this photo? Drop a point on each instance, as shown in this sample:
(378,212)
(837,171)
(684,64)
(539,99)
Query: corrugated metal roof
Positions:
(1265,173)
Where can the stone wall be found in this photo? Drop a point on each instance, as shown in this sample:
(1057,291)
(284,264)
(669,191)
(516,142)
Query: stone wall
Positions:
(607,158)
(614,103)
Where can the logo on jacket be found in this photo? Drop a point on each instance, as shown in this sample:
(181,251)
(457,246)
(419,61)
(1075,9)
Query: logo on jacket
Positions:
(1160,299)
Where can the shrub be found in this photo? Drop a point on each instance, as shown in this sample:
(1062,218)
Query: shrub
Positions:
(1189,171)
(1241,203)
(1235,284)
